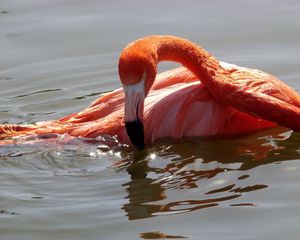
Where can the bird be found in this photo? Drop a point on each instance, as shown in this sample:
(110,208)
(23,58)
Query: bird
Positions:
(247,90)
(204,97)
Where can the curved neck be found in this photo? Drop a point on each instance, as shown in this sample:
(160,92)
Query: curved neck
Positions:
(149,51)
(190,55)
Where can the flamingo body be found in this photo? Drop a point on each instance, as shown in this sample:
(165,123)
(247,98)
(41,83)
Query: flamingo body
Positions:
(204,98)
(188,106)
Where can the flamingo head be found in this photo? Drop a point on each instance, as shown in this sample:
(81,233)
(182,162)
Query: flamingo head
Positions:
(137,72)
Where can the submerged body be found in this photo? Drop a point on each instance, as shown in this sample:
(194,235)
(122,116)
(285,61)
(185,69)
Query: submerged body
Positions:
(247,90)
(188,108)
(207,98)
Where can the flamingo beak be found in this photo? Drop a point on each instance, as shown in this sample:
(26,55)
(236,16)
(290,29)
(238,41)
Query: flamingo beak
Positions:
(134,108)
(135,131)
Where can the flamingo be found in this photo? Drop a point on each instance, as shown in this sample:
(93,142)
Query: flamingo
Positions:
(204,97)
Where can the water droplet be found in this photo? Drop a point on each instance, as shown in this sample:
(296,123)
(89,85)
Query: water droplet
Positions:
(152,156)
(92,154)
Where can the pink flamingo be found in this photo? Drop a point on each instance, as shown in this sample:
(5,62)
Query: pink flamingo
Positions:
(206,97)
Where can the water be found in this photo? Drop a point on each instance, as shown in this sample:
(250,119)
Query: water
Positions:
(58,56)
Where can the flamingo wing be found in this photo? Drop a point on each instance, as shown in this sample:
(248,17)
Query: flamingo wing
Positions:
(259,94)
(188,107)
(184,107)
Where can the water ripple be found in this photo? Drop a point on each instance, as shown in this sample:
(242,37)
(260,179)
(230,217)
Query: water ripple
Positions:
(36,92)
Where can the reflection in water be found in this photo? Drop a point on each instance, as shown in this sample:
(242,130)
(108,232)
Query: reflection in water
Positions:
(158,235)
(142,190)
(212,161)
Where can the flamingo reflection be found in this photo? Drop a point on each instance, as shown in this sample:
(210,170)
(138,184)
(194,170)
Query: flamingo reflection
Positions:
(159,187)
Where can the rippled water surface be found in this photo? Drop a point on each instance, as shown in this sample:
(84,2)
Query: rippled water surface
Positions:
(58,56)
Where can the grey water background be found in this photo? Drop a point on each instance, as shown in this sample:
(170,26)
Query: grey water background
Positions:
(58,56)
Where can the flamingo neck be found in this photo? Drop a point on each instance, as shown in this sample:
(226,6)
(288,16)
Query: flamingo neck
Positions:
(190,55)
(143,55)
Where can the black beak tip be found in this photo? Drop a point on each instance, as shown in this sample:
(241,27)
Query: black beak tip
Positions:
(135,131)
